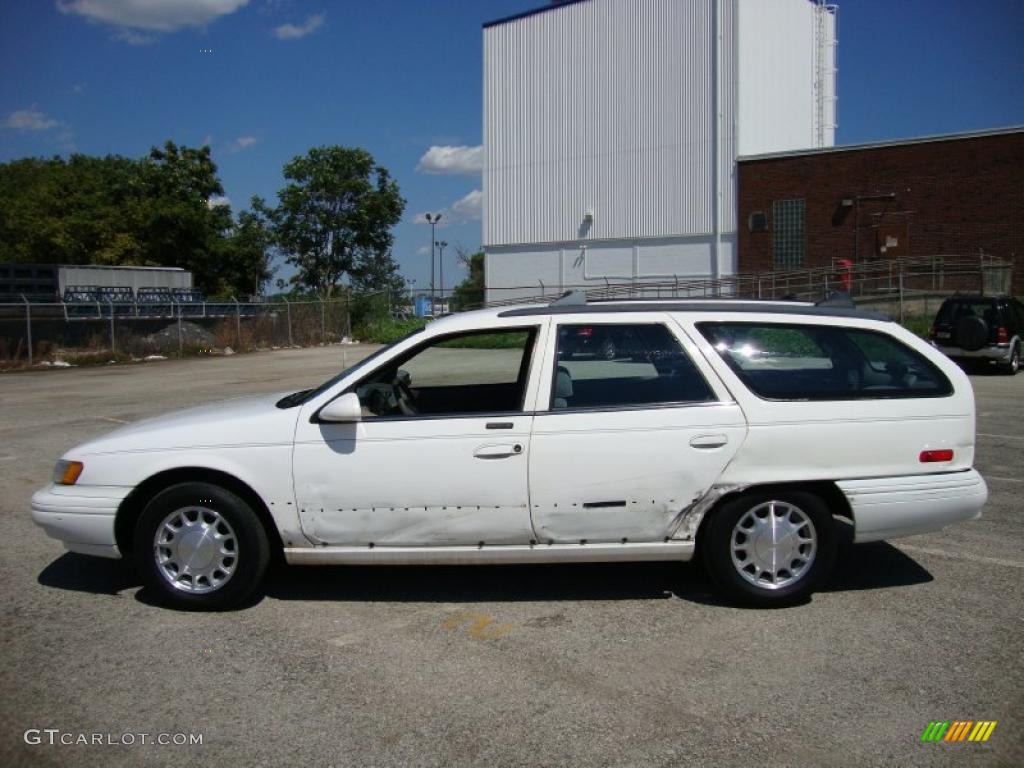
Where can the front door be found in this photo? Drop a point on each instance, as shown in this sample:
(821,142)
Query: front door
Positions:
(632,435)
(440,456)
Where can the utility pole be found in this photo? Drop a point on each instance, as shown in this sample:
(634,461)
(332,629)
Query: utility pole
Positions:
(432,221)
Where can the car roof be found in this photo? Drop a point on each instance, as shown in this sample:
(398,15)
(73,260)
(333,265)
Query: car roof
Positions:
(975,298)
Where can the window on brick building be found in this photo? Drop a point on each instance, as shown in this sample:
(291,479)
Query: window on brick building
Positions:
(788,237)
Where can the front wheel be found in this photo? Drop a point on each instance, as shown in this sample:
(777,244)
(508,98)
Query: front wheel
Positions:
(770,548)
(201,547)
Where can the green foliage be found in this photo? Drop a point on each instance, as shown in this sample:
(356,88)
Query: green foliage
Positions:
(386,330)
(496,340)
(918,325)
(469,294)
(115,210)
(335,217)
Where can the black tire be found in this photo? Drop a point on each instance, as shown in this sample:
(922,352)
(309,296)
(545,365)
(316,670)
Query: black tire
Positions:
(970,333)
(244,552)
(716,546)
(1011,368)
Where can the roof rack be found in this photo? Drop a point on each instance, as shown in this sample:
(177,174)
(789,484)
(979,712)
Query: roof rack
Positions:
(745,306)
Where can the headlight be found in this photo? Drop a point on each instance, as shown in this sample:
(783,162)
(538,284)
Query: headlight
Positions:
(67,472)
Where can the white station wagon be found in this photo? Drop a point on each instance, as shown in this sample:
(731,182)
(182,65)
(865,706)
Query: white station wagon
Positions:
(573,432)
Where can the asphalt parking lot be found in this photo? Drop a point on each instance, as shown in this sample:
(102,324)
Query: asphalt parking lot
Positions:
(518,665)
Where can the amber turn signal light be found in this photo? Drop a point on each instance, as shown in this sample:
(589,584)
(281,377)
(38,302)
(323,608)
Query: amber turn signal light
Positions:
(67,472)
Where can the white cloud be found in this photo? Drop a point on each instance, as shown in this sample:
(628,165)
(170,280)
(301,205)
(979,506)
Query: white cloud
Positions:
(466,208)
(241,143)
(153,15)
(295,31)
(30,119)
(456,161)
(216,200)
(423,250)
(132,37)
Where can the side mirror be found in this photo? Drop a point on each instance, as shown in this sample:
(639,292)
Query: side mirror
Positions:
(344,409)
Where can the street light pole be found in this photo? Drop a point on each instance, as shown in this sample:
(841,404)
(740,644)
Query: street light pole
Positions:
(432,220)
(440,262)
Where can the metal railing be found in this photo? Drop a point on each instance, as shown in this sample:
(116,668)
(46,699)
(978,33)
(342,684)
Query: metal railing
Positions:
(982,273)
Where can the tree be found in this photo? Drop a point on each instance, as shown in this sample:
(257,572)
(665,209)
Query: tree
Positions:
(179,225)
(469,294)
(244,255)
(154,211)
(335,216)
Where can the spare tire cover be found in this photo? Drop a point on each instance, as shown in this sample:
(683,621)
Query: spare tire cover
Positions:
(971,333)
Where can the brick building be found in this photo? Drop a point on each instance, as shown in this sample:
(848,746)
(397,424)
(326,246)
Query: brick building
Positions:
(945,195)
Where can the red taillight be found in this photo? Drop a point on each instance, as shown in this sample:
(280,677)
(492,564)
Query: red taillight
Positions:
(585,332)
(1002,337)
(944,454)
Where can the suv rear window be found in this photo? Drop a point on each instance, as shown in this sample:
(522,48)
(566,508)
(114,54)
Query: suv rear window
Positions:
(953,309)
(816,362)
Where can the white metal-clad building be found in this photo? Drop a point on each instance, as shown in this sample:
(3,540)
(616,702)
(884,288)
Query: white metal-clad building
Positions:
(612,128)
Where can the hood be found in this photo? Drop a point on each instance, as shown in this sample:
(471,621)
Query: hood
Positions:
(254,420)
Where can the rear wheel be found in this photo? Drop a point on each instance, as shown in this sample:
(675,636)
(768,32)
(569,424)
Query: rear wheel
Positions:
(201,547)
(770,548)
(1010,368)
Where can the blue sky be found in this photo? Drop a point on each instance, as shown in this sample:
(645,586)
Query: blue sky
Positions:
(400,77)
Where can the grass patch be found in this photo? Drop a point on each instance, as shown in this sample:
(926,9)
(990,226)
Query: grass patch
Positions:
(918,325)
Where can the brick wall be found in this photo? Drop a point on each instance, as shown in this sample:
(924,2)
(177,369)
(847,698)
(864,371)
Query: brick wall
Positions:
(951,196)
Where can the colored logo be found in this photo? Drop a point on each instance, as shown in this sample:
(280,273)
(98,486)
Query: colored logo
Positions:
(958,730)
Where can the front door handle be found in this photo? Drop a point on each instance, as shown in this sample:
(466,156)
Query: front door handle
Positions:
(709,441)
(498,451)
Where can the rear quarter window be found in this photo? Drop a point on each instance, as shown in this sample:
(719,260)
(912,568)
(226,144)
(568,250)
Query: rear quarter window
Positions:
(779,361)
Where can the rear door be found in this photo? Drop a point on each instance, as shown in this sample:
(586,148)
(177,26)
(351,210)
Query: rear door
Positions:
(631,427)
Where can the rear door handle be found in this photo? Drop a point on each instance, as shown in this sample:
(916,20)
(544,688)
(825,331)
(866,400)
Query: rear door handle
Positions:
(708,441)
(498,451)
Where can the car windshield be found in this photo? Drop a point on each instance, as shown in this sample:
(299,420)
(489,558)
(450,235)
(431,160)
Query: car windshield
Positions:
(305,395)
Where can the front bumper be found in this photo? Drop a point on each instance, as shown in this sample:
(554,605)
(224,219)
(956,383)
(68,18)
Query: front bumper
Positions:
(80,516)
(889,507)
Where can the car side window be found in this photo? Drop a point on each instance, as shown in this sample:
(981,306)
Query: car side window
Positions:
(1018,313)
(600,365)
(819,362)
(465,373)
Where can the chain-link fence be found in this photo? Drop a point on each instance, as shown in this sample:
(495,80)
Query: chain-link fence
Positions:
(70,332)
(910,290)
